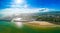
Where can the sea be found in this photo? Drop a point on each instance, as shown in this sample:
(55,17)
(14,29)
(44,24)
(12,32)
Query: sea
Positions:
(9,27)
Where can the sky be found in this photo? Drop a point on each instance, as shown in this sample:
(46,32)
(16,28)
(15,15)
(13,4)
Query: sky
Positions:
(54,4)
(9,7)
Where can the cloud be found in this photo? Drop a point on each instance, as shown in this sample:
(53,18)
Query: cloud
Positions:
(11,11)
(46,9)
(20,6)
(15,11)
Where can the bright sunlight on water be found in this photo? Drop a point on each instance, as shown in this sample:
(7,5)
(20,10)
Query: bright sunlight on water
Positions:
(8,27)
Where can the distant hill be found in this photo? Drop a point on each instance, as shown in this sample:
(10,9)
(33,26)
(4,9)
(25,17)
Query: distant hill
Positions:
(56,13)
(51,16)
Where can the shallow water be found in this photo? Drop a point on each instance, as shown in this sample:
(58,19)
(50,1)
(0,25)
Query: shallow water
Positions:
(8,27)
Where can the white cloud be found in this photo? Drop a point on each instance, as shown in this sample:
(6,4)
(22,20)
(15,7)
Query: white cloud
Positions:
(46,9)
(11,11)
(15,11)
(20,6)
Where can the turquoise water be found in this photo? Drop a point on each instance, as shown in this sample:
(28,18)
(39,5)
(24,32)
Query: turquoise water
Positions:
(41,30)
(8,27)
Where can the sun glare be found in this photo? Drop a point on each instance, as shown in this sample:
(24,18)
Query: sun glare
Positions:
(18,1)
